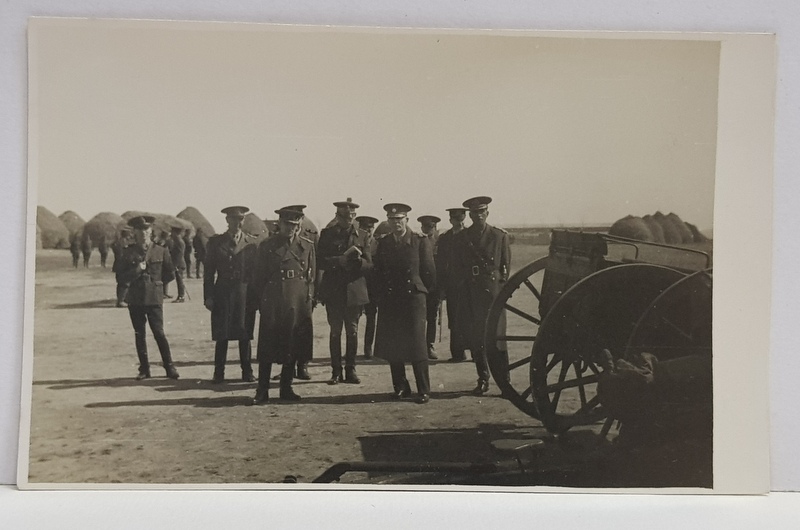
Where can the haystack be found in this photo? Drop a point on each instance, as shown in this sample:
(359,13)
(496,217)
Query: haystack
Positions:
(253,225)
(38,238)
(655,228)
(632,228)
(73,222)
(681,228)
(54,233)
(197,219)
(697,235)
(671,234)
(102,227)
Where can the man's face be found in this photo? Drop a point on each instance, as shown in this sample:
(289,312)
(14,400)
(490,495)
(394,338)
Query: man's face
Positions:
(457,220)
(397,224)
(345,215)
(367,227)
(287,229)
(428,227)
(142,235)
(234,223)
(479,216)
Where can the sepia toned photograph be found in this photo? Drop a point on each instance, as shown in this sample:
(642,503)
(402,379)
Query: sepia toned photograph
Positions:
(270,255)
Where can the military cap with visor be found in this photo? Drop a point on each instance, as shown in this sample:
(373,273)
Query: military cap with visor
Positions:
(477,203)
(366,220)
(235,211)
(141,222)
(456,212)
(289,215)
(428,219)
(346,204)
(396,210)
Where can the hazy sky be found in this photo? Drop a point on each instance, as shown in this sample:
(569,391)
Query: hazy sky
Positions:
(557,130)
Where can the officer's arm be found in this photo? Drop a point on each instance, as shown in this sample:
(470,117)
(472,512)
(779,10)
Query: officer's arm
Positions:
(505,258)
(167,269)
(311,273)
(209,271)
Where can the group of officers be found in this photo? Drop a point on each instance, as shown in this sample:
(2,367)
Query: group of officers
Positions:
(398,274)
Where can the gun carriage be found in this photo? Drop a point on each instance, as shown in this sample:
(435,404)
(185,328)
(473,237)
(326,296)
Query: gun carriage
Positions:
(594,292)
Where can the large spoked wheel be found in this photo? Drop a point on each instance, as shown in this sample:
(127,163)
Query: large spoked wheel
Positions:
(678,322)
(516,306)
(599,312)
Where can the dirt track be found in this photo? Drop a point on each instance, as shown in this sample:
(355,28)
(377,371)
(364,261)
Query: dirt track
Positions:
(92,422)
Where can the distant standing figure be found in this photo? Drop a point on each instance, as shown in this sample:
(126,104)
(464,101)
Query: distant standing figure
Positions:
(102,248)
(228,271)
(483,254)
(145,266)
(119,246)
(404,274)
(86,250)
(367,225)
(432,300)
(187,253)
(200,241)
(284,281)
(344,257)
(177,250)
(75,250)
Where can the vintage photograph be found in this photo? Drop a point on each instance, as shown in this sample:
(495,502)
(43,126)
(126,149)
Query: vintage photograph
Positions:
(271,255)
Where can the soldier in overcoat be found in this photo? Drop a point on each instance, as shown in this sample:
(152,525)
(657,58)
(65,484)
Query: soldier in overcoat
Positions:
(284,281)
(404,274)
(227,273)
(450,280)
(343,259)
(187,252)
(367,225)
(483,254)
(145,266)
(119,247)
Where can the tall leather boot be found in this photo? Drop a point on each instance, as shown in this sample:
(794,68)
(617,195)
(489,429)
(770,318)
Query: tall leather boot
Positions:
(336,359)
(220,356)
(262,392)
(351,347)
(287,374)
(144,364)
(166,355)
(302,371)
(246,362)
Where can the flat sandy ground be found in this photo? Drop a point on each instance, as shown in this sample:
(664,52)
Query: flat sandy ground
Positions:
(91,422)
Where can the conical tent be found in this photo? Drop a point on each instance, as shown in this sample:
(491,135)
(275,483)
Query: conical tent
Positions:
(103,226)
(54,233)
(73,222)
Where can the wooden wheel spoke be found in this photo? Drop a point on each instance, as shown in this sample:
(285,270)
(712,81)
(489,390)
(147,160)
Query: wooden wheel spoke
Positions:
(572,383)
(523,314)
(588,406)
(592,367)
(533,289)
(517,364)
(527,393)
(553,362)
(557,387)
(581,390)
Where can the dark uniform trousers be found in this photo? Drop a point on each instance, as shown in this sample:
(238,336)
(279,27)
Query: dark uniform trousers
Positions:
(154,315)
(421,374)
(432,313)
(245,351)
(342,315)
(370,317)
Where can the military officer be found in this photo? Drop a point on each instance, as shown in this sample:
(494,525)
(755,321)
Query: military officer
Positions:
(404,274)
(177,249)
(145,266)
(367,225)
(432,301)
(483,255)
(227,272)
(284,281)
(344,257)
(119,247)
(450,281)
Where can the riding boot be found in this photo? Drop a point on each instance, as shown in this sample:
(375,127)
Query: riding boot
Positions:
(302,371)
(262,392)
(245,360)
(351,347)
(336,359)
(287,374)
(220,357)
(144,365)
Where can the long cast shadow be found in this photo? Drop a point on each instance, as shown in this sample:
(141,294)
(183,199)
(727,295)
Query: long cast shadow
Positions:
(205,402)
(89,304)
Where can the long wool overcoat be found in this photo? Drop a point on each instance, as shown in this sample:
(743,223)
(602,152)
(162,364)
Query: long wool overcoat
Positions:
(284,281)
(228,271)
(404,272)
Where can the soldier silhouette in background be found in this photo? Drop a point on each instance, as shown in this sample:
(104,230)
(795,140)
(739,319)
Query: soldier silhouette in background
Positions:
(86,249)
(450,280)
(75,249)
(145,266)
(432,301)
(119,246)
(367,224)
(199,243)
(177,249)
(187,253)
(228,270)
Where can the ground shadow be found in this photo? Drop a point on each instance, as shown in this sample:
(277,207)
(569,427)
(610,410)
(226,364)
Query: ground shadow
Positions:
(88,304)
(161,384)
(204,402)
